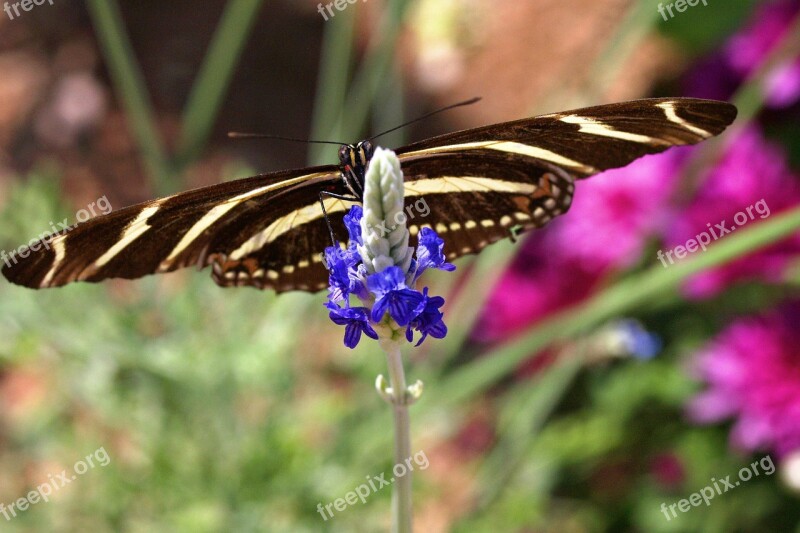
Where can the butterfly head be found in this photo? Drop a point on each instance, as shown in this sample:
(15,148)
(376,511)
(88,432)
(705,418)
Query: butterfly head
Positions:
(353,160)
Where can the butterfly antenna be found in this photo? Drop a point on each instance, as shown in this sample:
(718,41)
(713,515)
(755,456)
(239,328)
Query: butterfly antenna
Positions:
(239,135)
(459,104)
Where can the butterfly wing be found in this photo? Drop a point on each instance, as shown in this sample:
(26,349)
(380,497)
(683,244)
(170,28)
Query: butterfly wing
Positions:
(488,183)
(199,227)
(476,186)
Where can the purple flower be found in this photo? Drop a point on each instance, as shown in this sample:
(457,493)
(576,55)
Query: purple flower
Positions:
(355,320)
(343,268)
(752,370)
(391,293)
(429,253)
(767,26)
(383,291)
(429,320)
(352,221)
(539,282)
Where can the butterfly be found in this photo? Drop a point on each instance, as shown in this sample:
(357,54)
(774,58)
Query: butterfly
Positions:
(268,231)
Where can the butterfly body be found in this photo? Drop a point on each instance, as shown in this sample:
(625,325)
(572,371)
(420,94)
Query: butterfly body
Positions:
(353,162)
(478,186)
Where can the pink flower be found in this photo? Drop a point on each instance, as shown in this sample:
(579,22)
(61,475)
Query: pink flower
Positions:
(753,175)
(766,28)
(613,216)
(752,370)
(534,287)
(615,213)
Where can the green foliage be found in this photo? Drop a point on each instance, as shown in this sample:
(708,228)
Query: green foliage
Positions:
(702,32)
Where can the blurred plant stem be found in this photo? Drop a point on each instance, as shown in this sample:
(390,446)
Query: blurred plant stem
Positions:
(336,58)
(619,299)
(214,78)
(347,118)
(205,98)
(398,398)
(526,408)
(127,77)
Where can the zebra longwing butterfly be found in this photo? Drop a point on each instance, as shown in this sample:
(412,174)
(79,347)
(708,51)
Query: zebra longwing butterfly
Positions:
(268,231)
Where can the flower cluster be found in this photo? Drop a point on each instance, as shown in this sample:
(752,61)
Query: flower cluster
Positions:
(752,370)
(387,296)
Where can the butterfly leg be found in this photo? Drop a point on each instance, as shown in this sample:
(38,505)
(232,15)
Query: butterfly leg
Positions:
(325,213)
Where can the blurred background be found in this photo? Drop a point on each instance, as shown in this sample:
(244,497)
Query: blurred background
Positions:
(583,382)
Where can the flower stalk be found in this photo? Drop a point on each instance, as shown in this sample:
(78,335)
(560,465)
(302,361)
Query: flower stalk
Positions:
(385,245)
(402,509)
(381,270)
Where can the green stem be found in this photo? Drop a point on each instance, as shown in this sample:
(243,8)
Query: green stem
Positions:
(401,498)
(209,89)
(366,85)
(129,83)
(334,74)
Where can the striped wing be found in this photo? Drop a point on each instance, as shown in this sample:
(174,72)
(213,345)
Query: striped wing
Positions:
(488,183)
(216,225)
(474,186)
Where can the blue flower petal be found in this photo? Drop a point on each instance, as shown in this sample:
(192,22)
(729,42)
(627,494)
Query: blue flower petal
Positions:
(391,293)
(429,319)
(430,253)
(388,280)
(355,320)
(352,221)
(379,309)
(404,305)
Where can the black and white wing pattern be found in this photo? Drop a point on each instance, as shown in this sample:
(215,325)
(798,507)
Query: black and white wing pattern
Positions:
(478,186)
(492,182)
(221,225)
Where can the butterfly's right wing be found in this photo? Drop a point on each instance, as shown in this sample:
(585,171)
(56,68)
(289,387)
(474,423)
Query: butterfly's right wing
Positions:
(487,183)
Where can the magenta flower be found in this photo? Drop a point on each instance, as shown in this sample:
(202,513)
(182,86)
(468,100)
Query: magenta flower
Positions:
(536,285)
(615,213)
(612,218)
(752,370)
(720,74)
(753,175)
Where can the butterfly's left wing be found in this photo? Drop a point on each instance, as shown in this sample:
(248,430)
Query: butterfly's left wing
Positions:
(487,183)
(266,231)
